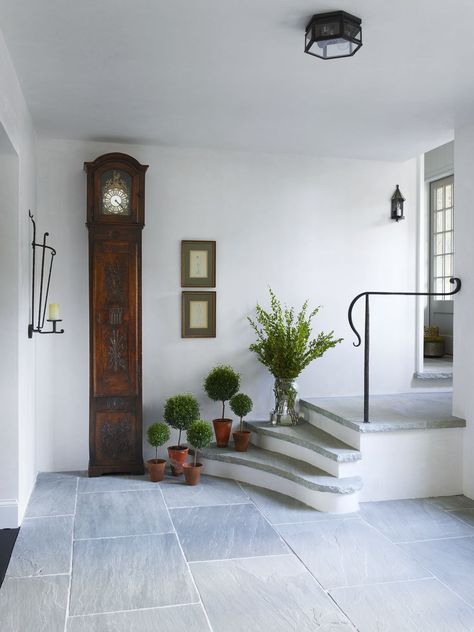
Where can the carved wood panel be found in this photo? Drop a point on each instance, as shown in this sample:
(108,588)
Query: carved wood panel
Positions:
(115,307)
(115,440)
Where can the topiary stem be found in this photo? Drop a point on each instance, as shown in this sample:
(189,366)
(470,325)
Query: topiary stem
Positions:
(195,456)
(179,438)
(223,409)
(241,424)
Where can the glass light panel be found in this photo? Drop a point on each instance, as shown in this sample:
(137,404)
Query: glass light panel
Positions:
(449,242)
(327,29)
(439,199)
(448,265)
(449,195)
(448,219)
(439,244)
(439,222)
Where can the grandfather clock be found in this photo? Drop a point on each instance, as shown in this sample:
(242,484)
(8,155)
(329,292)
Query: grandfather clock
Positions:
(115,219)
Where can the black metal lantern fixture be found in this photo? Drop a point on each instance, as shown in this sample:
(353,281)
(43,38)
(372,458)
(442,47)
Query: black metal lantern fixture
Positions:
(333,35)
(397,205)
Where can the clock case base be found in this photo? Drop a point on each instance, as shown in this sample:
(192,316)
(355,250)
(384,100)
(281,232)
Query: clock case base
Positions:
(99,470)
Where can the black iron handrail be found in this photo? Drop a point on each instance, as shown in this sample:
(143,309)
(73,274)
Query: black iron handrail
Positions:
(455,281)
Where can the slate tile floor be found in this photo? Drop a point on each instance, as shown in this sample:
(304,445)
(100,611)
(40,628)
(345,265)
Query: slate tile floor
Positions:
(121,554)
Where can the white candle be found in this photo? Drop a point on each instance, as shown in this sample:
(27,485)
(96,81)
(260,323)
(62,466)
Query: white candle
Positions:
(53,311)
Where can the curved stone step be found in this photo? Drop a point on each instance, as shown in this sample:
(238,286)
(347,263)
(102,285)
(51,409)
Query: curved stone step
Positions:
(308,443)
(284,474)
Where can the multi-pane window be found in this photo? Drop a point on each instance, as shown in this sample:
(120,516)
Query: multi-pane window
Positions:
(442,231)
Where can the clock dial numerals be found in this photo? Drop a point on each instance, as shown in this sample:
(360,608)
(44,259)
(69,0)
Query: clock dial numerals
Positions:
(115,193)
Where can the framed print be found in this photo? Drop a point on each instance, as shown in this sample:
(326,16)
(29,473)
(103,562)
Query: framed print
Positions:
(198,315)
(198,263)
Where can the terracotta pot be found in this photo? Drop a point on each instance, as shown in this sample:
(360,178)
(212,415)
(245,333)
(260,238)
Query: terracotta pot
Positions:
(222,430)
(192,473)
(156,469)
(178,455)
(241,440)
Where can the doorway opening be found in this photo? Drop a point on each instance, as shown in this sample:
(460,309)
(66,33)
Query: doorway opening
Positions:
(437,356)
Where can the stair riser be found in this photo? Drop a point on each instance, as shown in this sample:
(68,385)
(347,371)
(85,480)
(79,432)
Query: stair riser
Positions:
(322,501)
(334,428)
(301,453)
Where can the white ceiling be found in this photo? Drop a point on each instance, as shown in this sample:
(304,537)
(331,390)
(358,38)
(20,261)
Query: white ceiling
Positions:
(232,73)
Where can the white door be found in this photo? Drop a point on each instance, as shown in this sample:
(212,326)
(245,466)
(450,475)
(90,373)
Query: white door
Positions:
(442,257)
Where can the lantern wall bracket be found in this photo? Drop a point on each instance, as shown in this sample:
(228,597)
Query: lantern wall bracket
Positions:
(38,311)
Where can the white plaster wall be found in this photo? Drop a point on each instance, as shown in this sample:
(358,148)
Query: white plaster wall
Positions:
(463,369)
(19,440)
(309,228)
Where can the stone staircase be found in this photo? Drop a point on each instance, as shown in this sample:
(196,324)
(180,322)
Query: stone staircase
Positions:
(331,458)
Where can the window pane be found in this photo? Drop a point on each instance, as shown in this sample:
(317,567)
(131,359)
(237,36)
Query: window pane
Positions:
(449,242)
(439,285)
(448,287)
(439,198)
(448,265)
(439,266)
(449,195)
(448,218)
(439,246)
(439,222)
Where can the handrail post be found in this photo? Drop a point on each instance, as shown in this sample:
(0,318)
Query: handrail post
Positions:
(366,359)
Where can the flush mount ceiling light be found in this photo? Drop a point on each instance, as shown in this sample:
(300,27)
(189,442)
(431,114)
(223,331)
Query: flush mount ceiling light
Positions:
(333,35)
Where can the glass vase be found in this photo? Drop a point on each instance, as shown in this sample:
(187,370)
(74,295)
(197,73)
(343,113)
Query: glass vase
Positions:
(286,402)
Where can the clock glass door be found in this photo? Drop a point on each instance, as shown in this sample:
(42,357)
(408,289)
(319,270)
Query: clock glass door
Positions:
(115,190)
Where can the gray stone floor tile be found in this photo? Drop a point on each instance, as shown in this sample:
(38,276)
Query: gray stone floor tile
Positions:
(43,547)
(452,502)
(107,514)
(466,515)
(268,593)
(129,573)
(412,520)
(349,552)
(52,497)
(45,476)
(173,619)
(34,604)
(115,484)
(224,532)
(451,560)
(210,491)
(419,606)
(281,509)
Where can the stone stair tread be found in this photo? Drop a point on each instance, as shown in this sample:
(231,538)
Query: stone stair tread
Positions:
(281,465)
(389,413)
(310,437)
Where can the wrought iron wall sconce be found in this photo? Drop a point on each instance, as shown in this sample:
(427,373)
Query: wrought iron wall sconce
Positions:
(38,312)
(397,205)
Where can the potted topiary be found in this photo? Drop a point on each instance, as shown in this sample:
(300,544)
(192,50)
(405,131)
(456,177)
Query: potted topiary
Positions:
(180,411)
(157,435)
(285,347)
(241,405)
(199,436)
(221,384)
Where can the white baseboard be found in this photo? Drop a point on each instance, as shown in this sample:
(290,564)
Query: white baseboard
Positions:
(9,514)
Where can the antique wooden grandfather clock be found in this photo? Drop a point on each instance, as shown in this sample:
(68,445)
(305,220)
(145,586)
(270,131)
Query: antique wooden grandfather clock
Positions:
(115,219)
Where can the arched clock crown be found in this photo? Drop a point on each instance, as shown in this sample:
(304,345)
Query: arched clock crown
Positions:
(115,218)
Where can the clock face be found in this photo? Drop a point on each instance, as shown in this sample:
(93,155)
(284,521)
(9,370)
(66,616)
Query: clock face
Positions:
(115,193)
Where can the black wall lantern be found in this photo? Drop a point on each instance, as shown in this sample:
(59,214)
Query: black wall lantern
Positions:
(397,205)
(333,35)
